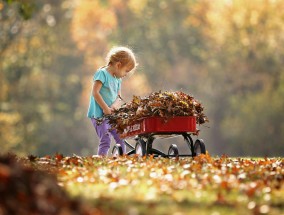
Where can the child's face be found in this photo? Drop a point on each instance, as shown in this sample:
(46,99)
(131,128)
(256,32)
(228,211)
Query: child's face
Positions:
(122,71)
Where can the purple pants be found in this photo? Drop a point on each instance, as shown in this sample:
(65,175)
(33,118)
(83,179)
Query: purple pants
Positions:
(103,132)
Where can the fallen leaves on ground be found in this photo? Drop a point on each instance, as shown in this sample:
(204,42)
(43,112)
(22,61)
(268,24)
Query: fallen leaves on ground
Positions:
(255,185)
(27,191)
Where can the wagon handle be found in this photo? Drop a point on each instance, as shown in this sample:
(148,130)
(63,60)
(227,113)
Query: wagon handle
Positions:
(122,99)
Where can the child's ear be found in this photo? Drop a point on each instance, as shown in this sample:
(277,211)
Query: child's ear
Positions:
(118,64)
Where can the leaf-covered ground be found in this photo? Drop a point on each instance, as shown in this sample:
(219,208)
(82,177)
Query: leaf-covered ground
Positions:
(135,185)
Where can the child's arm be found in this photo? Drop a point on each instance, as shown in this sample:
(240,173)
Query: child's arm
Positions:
(96,93)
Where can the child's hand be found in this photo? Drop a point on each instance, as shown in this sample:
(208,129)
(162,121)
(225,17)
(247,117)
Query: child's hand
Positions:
(107,111)
(114,106)
(112,109)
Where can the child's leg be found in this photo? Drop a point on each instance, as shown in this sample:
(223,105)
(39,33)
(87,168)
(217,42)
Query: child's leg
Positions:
(118,140)
(102,132)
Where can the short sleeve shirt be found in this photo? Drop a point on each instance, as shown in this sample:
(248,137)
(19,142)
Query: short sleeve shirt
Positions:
(109,92)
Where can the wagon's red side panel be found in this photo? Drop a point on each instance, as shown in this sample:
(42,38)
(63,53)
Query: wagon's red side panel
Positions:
(161,125)
(175,124)
(133,130)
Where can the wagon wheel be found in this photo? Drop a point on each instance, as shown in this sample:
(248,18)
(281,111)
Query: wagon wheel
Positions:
(199,147)
(140,148)
(173,150)
(117,150)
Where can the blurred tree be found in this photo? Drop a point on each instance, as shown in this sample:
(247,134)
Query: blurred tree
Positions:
(228,54)
(247,62)
(93,25)
(42,71)
(25,8)
(169,43)
(256,122)
(215,50)
(12,16)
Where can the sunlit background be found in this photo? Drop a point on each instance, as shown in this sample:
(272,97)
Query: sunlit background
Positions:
(228,54)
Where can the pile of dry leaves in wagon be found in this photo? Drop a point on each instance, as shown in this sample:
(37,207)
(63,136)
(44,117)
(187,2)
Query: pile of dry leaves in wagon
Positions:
(161,104)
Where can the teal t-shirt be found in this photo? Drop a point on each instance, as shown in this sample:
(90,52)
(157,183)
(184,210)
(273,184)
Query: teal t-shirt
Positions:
(109,92)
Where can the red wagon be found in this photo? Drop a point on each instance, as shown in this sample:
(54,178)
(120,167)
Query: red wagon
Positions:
(146,130)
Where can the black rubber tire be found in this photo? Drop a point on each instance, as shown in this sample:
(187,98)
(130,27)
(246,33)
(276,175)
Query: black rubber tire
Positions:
(140,148)
(117,150)
(173,150)
(199,147)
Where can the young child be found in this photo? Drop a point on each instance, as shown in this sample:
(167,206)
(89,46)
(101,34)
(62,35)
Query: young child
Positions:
(106,94)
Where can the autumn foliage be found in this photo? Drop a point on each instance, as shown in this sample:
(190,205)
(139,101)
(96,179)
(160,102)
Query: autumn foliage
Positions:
(211,184)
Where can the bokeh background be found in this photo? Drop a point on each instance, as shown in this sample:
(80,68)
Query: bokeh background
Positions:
(228,54)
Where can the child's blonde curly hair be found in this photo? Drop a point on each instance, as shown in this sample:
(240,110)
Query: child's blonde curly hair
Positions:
(123,55)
